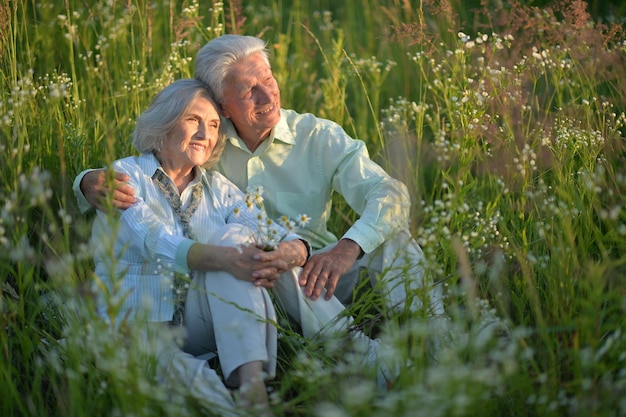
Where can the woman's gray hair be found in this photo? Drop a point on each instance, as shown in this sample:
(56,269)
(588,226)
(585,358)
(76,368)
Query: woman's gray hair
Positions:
(217,57)
(168,107)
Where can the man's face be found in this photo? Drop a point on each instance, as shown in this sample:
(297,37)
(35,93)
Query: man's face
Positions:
(251,99)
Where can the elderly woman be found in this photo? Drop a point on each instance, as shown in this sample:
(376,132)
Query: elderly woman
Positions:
(191,222)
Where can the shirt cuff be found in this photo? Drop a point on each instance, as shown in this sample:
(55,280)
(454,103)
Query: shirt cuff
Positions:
(83,204)
(367,241)
(180,259)
(157,240)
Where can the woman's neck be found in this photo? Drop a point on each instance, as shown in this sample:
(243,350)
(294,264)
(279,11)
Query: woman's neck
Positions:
(181,176)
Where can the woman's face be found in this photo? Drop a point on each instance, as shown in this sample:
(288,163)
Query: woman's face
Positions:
(192,140)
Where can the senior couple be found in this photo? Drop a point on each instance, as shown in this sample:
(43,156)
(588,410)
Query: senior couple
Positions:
(180,218)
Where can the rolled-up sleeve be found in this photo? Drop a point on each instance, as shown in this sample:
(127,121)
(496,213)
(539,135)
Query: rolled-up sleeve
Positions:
(83,204)
(153,239)
(146,232)
(382,202)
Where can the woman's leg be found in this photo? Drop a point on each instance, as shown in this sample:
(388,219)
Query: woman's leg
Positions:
(236,319)
(179,369)
(233,318)
(252,392)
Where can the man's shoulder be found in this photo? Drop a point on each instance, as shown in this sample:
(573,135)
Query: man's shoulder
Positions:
(312,129)
(322,136)
(294,118)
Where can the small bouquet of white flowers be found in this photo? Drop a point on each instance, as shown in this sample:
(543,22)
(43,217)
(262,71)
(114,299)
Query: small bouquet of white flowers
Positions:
(268,233)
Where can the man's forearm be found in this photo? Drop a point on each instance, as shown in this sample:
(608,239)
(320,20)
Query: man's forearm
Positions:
(352,247)
(296,252)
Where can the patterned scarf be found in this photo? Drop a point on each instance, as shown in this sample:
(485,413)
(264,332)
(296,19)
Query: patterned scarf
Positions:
(169,190)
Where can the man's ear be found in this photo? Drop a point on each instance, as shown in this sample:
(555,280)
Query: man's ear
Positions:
(225,113)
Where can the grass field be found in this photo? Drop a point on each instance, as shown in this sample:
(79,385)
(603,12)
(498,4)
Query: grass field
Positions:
(506,121)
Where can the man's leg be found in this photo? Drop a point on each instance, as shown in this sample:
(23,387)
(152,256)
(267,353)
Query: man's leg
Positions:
(315,317)
(395,267)
(328,317)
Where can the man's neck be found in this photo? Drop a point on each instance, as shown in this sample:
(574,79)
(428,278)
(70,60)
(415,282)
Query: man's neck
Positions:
(253,142)
(253,145)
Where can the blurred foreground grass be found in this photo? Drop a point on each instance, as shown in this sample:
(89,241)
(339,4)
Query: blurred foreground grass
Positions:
(507,125)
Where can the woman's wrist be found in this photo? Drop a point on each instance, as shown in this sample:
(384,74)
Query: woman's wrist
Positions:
(201,257)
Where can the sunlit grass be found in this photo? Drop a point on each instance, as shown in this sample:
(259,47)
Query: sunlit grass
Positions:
(509,134)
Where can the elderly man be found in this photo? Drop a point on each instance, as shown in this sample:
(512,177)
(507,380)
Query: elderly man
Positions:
(300,160)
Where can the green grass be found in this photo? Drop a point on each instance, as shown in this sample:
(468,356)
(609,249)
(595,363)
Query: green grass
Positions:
(507,126)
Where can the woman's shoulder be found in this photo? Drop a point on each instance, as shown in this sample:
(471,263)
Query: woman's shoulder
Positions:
(215,177)
(219,184)
(136,163)
(139,168)
(129,161)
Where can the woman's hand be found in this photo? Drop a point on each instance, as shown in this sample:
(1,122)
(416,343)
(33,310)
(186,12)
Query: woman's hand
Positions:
(290,254)
(255,265)
(246,263)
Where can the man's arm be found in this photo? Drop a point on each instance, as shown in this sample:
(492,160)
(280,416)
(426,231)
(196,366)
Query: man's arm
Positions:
(323,270)
(91,190)
(381,201)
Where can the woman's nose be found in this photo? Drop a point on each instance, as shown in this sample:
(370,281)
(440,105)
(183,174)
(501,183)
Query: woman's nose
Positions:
(202,129)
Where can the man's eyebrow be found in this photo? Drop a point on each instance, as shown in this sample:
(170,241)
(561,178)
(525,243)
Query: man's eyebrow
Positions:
(242,86)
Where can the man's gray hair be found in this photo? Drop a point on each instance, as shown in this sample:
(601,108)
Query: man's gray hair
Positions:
(168,107)
(217,57)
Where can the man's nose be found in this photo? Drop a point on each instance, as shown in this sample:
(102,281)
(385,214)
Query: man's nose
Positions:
(264,94)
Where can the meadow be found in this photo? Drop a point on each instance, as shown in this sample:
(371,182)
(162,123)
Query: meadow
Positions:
(506,121)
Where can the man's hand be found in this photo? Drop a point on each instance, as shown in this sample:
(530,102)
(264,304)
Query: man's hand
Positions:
(323,270)
(94,188)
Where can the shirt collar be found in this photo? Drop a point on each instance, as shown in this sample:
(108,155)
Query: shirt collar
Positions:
(281,132)
(149,164)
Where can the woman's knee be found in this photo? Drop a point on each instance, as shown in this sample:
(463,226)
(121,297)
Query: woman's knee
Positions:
(232,234)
